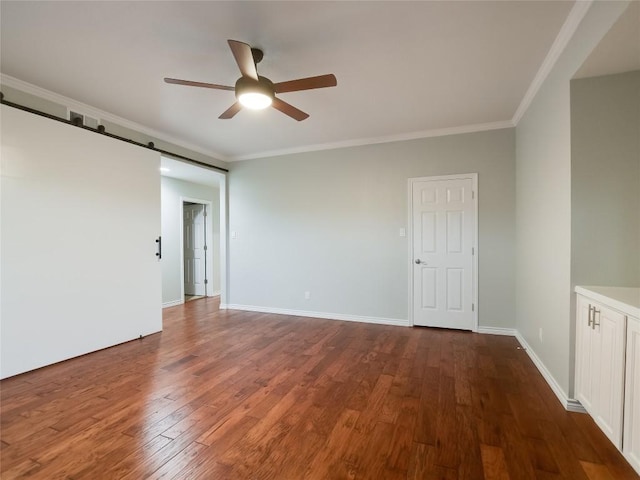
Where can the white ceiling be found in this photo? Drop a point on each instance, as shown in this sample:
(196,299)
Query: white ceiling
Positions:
(619,50)
(189,173)
(402,67)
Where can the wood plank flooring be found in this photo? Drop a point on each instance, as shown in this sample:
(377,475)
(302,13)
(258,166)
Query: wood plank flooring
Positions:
(237,395)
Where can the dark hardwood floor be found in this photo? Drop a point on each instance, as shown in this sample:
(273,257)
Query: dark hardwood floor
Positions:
(237,395)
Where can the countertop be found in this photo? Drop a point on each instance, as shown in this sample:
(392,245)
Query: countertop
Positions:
(623,299)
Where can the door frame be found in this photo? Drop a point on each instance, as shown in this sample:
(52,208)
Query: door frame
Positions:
(208,226)
(474,275)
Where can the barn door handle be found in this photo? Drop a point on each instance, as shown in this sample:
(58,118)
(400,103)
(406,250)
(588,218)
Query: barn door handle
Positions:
(159,252)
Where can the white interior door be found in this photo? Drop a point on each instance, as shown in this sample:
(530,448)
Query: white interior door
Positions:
(194,232)
(444,226)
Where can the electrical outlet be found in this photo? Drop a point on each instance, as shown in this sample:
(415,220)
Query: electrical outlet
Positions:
(307,295)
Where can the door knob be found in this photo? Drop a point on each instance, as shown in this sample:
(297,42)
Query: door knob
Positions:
(418,262)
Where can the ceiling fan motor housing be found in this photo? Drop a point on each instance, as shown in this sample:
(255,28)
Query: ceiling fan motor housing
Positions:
(258,55)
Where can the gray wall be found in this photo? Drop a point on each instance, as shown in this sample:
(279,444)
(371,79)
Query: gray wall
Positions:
(328,222)
(605,180)
(171,190)
(543,186)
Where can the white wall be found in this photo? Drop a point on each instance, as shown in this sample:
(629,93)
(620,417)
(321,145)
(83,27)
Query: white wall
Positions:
(328,223)
(605,180)
(172,191)
(80,214)
(543,191)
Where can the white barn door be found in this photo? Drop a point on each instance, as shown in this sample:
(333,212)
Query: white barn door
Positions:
(80,219)
(443,215)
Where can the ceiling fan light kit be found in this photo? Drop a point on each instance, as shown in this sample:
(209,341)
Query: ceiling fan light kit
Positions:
(256,92)
(254,95)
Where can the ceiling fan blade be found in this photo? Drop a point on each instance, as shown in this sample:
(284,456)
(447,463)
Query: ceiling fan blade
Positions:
(197,84)
(321,81)
(244,58)
(231,111)
(288,109)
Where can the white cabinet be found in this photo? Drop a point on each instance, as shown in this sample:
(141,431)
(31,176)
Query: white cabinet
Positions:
(585,363)
(608,363)
(600,355)
(631,441)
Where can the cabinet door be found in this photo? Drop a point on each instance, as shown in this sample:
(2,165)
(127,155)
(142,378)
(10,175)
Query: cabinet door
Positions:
(609,336)
(585,377)
(631,444)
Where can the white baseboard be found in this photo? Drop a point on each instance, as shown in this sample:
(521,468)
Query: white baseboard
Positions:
(324,315)
(172,304)
(511,332)
(180,302)
(569,404)
(214,294)
(574,405)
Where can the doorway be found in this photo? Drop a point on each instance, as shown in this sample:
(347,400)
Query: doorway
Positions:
(197,238)
(443,251)
(182,182)
(194,254)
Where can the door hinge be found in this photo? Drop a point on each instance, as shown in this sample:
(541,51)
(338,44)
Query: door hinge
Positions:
(473,195)
(206,281)
(205,247)
(473,307)
(473,251)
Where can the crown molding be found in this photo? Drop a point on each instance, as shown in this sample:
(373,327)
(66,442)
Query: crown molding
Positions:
(101,114)
(567,31)
(440,132)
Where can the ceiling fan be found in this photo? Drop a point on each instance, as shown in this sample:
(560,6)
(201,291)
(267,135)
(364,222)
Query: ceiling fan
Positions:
(257,92)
